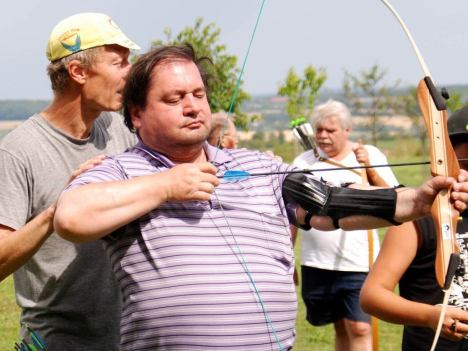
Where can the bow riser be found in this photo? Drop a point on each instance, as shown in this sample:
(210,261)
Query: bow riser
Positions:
(444,163)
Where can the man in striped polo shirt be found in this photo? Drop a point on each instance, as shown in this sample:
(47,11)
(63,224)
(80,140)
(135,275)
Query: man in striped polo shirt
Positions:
(199,268)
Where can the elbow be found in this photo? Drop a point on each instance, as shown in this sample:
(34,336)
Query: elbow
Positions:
(65,229)
(366,299)
(68,226)
(364,302)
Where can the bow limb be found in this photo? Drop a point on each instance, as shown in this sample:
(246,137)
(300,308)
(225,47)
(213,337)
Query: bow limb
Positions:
(443,162)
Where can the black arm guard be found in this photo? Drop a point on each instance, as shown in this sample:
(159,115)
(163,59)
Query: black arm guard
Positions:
(318,198)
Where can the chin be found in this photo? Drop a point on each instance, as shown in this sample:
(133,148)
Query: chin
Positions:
(115,107)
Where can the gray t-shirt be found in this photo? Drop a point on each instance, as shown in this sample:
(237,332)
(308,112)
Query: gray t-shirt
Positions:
(67,291)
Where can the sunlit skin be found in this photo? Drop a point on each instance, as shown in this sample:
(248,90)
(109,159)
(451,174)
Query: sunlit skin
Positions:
(92,90)
(332,138)
(378,294)
(105,79)
(177,118)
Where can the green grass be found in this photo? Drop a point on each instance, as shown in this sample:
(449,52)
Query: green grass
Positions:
(308,338)
(9,315)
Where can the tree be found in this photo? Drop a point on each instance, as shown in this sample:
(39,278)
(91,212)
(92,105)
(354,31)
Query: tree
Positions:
(369,94)
(224,71)
(410,107)
(302,92)
(455,102)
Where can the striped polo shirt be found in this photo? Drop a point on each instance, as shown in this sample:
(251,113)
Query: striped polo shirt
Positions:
(205,275)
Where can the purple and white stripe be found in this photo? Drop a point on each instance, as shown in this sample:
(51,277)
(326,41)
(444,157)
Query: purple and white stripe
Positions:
(179,267)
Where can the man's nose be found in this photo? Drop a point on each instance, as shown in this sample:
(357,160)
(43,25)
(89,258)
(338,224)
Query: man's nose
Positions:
(191,105)
(321,134)
(126,70)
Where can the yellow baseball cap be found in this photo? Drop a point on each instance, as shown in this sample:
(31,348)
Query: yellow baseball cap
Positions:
(84,31)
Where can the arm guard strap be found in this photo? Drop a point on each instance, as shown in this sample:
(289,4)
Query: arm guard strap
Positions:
(320,199)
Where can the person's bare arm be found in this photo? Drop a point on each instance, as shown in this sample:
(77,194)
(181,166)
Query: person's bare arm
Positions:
(94,210)
(18,246)
(378,295)
(412,203)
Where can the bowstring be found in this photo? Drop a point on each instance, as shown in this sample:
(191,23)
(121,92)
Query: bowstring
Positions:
(241,73)
(239,251)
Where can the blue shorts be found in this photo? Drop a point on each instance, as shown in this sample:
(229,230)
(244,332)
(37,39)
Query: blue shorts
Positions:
(332,295)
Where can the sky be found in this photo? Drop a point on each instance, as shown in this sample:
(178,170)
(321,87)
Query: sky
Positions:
(338,35)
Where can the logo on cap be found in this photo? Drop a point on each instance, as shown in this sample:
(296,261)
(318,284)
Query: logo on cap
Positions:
(76,45)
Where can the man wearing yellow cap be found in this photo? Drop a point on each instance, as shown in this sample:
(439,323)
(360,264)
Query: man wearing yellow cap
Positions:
(67,292)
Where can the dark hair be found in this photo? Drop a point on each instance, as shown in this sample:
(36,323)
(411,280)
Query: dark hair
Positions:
(139,78)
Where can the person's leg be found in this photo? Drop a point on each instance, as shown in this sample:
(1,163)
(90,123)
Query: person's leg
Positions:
(359,335)
(341,336)
(355,321)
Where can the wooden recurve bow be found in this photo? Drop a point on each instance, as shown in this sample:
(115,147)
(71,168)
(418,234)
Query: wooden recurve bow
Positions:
(444,163)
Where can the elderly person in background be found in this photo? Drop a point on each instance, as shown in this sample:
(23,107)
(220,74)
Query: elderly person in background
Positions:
(334,264)
(223,131)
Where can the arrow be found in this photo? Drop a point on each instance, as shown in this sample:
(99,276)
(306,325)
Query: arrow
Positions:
(235,175)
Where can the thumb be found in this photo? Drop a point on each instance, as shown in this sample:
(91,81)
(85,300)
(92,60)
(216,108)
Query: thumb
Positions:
(357,145)
(439,183)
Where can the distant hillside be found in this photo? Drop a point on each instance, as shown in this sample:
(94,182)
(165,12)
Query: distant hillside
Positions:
(271,107)
(20,109)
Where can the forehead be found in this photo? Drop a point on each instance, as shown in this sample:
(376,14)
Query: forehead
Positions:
(112,51)
(329,122)
(176,72)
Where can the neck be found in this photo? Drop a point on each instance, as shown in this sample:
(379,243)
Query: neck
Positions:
(343,152)
(179,154)
(68,113)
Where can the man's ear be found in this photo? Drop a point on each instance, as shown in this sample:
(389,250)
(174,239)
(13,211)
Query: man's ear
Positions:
(135,113)
(77,71)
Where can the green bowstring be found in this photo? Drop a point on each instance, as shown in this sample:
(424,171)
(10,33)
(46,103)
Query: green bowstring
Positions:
(236,89)
(231,107)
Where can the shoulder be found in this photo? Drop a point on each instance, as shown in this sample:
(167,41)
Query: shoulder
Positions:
(373,149)
(109,169)
(23,140)
(113,124)
(305,159)
(255,161)
(21,132)
(132,155)
(111,120)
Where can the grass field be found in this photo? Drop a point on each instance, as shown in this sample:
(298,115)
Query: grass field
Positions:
(308,338)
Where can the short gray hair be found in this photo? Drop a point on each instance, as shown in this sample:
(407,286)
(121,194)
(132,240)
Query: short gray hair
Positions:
(58,70)
(332,108)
